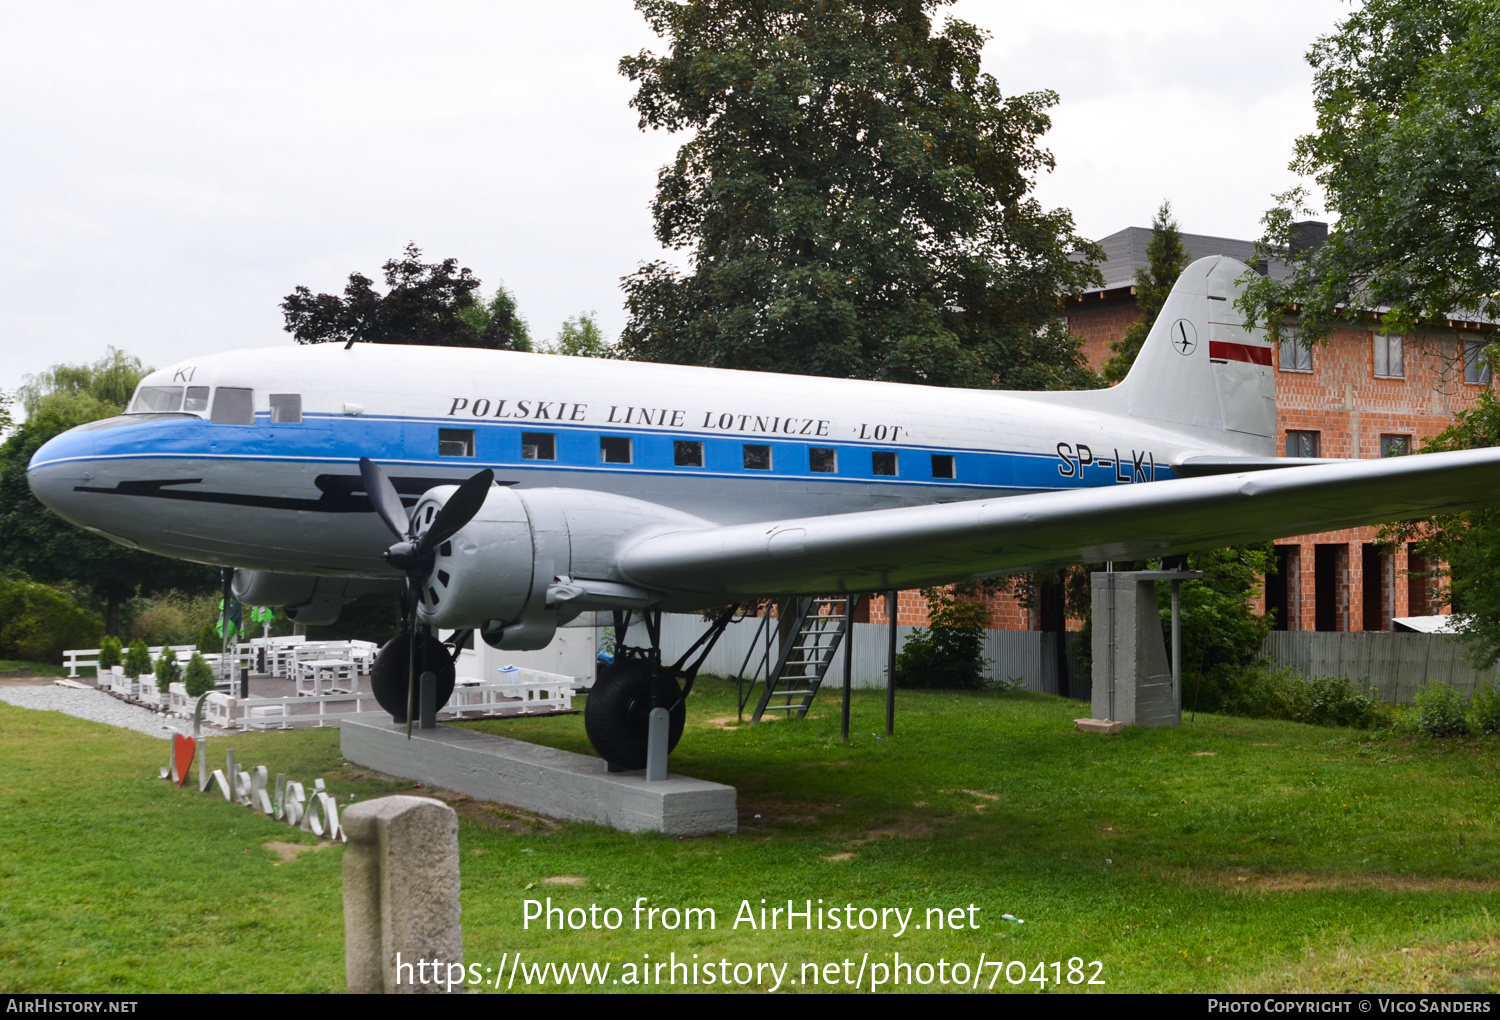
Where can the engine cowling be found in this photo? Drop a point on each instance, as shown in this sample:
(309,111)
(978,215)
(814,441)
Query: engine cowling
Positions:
(533,559)
(316,601)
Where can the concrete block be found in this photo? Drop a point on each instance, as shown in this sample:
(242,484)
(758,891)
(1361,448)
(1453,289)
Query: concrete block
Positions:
(1132,673)
(558,784)
(1098,726)
(401,913)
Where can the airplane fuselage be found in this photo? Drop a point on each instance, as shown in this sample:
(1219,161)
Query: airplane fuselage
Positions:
(260,471)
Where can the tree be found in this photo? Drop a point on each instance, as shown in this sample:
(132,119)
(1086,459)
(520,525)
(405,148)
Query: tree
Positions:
(35,540)
(1466,546)
(1407,94)
(84,392)
(1166,258)
(854,198)
(581,337)
(426,303)
(949,652)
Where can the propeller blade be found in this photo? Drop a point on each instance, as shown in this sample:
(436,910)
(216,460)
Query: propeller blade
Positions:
(383,495)
(459,510)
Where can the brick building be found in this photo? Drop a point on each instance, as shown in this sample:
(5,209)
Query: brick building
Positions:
(1362,395)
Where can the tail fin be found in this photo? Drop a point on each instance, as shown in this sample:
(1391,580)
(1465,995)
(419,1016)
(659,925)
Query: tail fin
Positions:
(1200,368)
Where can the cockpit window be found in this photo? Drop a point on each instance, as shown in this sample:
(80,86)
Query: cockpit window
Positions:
(286,408)
(196,400)
(233,406)
(158,398)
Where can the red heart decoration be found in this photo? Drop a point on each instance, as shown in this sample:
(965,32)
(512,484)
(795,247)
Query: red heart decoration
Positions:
(182,754)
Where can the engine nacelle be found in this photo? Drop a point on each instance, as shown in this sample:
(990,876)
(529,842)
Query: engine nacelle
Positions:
(533,559)
(316,601)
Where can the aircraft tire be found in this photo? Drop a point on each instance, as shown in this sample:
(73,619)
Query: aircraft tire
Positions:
(617,713)
(388,679)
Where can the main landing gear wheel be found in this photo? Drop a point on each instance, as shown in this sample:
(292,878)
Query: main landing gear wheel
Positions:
(388,679)
(617,715)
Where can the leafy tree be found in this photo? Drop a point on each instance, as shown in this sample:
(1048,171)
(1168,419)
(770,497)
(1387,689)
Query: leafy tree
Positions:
(84,392)
(1166,258)
(498,317)
(426,303)
(581,337)
(38,622)
(1407,94)
(6,420)
(855,199)
(198,679)
(1221,633)
(137,659)
(950,652)
(1465,545)
(36,541)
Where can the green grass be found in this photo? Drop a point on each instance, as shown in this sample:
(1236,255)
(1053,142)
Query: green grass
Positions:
(44,668)
(1231,854)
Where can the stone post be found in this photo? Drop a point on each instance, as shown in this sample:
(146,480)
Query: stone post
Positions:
(401,913)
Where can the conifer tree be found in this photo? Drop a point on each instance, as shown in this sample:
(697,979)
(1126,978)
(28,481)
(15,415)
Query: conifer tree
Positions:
(1166,258)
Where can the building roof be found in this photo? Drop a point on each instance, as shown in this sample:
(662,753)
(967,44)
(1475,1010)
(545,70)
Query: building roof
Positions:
(1126,252)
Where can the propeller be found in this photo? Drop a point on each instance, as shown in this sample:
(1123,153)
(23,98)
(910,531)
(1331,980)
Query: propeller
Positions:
(414,554)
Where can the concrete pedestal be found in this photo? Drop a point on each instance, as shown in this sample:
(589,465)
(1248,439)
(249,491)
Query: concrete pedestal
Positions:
(1133,678)
(558,784)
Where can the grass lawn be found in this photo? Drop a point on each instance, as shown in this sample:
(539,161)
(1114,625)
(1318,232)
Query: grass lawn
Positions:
(42,668)
(1229,854)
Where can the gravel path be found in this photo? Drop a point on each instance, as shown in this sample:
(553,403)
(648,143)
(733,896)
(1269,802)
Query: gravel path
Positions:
(95,706)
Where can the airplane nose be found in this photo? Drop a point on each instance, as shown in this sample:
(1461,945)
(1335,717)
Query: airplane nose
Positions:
(58,468)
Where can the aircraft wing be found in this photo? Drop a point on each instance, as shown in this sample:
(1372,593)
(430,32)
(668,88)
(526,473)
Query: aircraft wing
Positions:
(912,547)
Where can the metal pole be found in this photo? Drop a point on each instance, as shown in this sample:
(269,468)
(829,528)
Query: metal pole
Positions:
(1177,646)
(849,604)
(890,683)
(225,576)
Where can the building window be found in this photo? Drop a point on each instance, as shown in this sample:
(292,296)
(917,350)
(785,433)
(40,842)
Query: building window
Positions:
(455,442)
(1395,446)
(1294,355)
(1302,444)
(197,400)
(883,462)
(538,446)
(286,408)
(687,453)
(233,406)
(1476,365)
(823,460)
(1390,357)
(943,466)
(614,449)
(757,457)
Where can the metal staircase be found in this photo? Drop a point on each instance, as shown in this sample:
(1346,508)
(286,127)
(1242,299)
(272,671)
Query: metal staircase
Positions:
(816,626)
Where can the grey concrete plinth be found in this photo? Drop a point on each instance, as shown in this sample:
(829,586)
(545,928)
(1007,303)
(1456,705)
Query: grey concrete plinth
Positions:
(558,784)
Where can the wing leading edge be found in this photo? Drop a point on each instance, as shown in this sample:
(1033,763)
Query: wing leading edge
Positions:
(929,545)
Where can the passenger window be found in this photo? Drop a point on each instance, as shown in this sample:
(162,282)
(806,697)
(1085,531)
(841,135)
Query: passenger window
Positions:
(943,466)
(233,406)
(883,462)
(455,442)
(197,399)
(687,453)
(157,399)
(614,449)
(286,408)
(538,446)
(757,457)
(823,460)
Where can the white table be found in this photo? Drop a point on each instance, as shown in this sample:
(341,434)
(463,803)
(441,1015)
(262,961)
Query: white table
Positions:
(312,674)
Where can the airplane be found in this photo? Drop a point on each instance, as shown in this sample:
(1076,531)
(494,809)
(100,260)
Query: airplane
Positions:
(525,489)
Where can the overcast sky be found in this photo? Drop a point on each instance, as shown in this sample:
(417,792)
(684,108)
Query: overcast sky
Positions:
(171,171)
